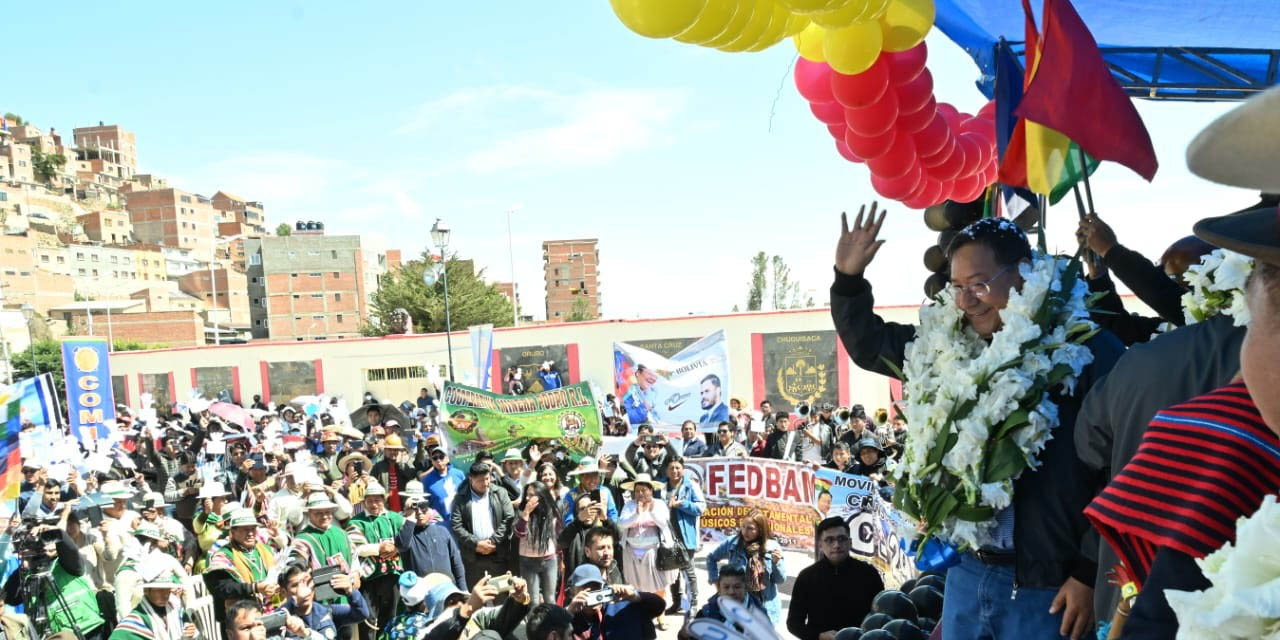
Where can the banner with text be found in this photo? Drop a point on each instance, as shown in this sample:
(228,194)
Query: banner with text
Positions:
(91,406)
(873,522)
(483,421)
(693,384)
(735,486)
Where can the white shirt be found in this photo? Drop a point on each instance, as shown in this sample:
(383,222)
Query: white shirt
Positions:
(481,516)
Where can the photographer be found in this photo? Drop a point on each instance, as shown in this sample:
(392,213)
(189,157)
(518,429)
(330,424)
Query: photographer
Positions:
(618,613)
(244,621)
(322,621)
(68,597)
(649,453)
(810,441)
(460,611)
(51,495)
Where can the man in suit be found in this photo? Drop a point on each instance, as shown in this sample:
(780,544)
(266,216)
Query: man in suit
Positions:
(482,523)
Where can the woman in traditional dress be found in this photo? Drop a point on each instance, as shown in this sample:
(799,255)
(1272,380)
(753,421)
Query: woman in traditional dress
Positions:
(646,525)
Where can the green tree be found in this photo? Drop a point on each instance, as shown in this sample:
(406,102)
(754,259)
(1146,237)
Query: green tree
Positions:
(755,295)
(471,301)
(46,165)
(284,229)
(786,293)
(17,119)
(581,310)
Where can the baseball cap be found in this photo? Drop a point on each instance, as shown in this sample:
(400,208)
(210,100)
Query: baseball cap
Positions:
(586,574)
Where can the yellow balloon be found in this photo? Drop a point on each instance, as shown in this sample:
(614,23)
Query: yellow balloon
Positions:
(905,23)
(853,49)
(711,22)
(657,18)
(774,34)
(746,8)
(810,6)
(850,14)
(760,19)
(796,24)
(875,9)
(809,43)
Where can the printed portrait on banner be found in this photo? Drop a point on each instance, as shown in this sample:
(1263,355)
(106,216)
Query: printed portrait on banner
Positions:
(529,360)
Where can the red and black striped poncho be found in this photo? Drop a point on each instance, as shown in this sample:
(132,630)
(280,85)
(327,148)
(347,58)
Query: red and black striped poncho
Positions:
(1202,465)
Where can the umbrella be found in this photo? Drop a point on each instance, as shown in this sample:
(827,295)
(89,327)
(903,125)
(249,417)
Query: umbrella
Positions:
(389,412)
(233,413)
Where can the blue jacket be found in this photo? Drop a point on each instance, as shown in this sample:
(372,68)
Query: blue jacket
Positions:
(695,448)
(326,618)
(688,511)
(570,506)
(550,380)
(732,551)
(712,608)
(430,549)
(441,488)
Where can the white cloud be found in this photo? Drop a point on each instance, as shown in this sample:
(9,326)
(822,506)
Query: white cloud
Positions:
(437,111)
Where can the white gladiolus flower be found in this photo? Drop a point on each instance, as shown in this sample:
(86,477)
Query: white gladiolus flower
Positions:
(1219,272)
(997,495)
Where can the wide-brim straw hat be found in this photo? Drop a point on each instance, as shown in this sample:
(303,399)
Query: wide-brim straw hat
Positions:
(642,478)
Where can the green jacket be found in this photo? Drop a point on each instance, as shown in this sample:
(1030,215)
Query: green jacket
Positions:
(325,548)
(82,602)
(365,529)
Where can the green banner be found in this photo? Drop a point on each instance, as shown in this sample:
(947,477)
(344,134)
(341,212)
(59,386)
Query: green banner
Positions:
(480,420)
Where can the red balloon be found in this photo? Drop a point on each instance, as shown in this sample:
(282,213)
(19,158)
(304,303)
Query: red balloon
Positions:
(950,168)
(845,152)
(919,119)
(927,193)
(990,172)
(931,161)
(898,187)
(875,118)
(986,148)
(988,110)
(915,94)
(869,148)
(980,125)
(857,91)
(972,155)
(949,112)
(837,130)
(933,137)
(897,161)
(828,112)
(968,189)
(813,80)
(904,66)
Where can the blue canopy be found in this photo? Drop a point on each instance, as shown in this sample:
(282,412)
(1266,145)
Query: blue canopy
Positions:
(1157,49)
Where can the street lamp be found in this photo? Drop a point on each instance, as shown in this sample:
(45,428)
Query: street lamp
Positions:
(511,254)
(440,237)
(29,312)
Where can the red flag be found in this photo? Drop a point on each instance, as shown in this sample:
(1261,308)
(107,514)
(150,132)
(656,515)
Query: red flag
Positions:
(1013,167)
(1074,93)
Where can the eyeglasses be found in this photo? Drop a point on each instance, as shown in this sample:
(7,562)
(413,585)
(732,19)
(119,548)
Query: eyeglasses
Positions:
(722,431)
(979,290)
(836,540)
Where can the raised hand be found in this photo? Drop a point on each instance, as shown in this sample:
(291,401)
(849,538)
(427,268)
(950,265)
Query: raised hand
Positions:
(858,246)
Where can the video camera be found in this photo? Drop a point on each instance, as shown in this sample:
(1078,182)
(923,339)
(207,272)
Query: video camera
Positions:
(803,410)
(33,540)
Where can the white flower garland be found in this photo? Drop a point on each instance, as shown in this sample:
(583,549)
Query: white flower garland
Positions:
(980,412)
(1217,286)
(1244,599)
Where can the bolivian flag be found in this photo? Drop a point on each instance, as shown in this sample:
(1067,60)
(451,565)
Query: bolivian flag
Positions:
(1071,102)
(10,455)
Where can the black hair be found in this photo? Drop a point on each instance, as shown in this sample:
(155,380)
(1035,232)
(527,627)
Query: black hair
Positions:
(725,423)
(236,607)
(644,425)
(595,533)
(484,455)
(542,524)
(51,483)
(1007,242)
(186,457)
(842,446)
(829,523)
(290,570)
(478,469)
(715,379)
(687,423)
(732,571)
(765,401)
(545,619)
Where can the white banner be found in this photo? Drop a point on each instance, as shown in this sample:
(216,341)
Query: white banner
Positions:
(690,385)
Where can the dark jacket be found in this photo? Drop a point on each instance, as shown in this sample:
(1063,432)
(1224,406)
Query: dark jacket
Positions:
(1151,617)
(328,617)
(572,541)
(1148,282)
(430,549)
(404,473)
(1049,529)
(621,620)
(828,597)
(634,460)
(460,522)
(712,609)
(1181,364)
(500,621)
(695,448)
(1109,313)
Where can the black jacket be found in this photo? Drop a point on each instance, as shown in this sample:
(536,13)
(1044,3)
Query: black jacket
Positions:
(1148,282)
(572,541)
(1050,532)
(1181,364)
(460,522)
(430,549)
(1109,313)
(828,597)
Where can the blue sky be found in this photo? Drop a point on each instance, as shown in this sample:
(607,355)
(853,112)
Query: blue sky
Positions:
(377,118)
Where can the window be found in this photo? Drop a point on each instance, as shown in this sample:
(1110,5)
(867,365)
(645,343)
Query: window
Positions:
(557,314)
(255,280)
(95,273)
(113,259)
(128,260)
(315,274)
(334,254)
(10,273)
(339,318)
(4,197)
(293,275)
(317,295)
(337,275)
(297,317)
(296,296)
(337,297)
(259,323)
(24,273)
(186,199)
(79,256)
(44,258)
(61,260)
(293,254)
(255,259)
(81,272)
(313,253)
(94,257)
(299,339)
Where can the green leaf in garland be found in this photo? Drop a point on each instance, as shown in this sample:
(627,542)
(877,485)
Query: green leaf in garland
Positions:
(941,507)
(904,502)
(975,514)
(1004,461)
(893,368)
(1059,373)
(941,447)
(1015,420)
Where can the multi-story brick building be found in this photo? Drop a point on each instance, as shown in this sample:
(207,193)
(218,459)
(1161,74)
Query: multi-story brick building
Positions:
(21,282)
(15,159)
(110,226)
(305,287)
(180,262)
(172,328)
(224,292)
(173,218)
(509,290)
(233,208)
(571,270)
(114,149)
